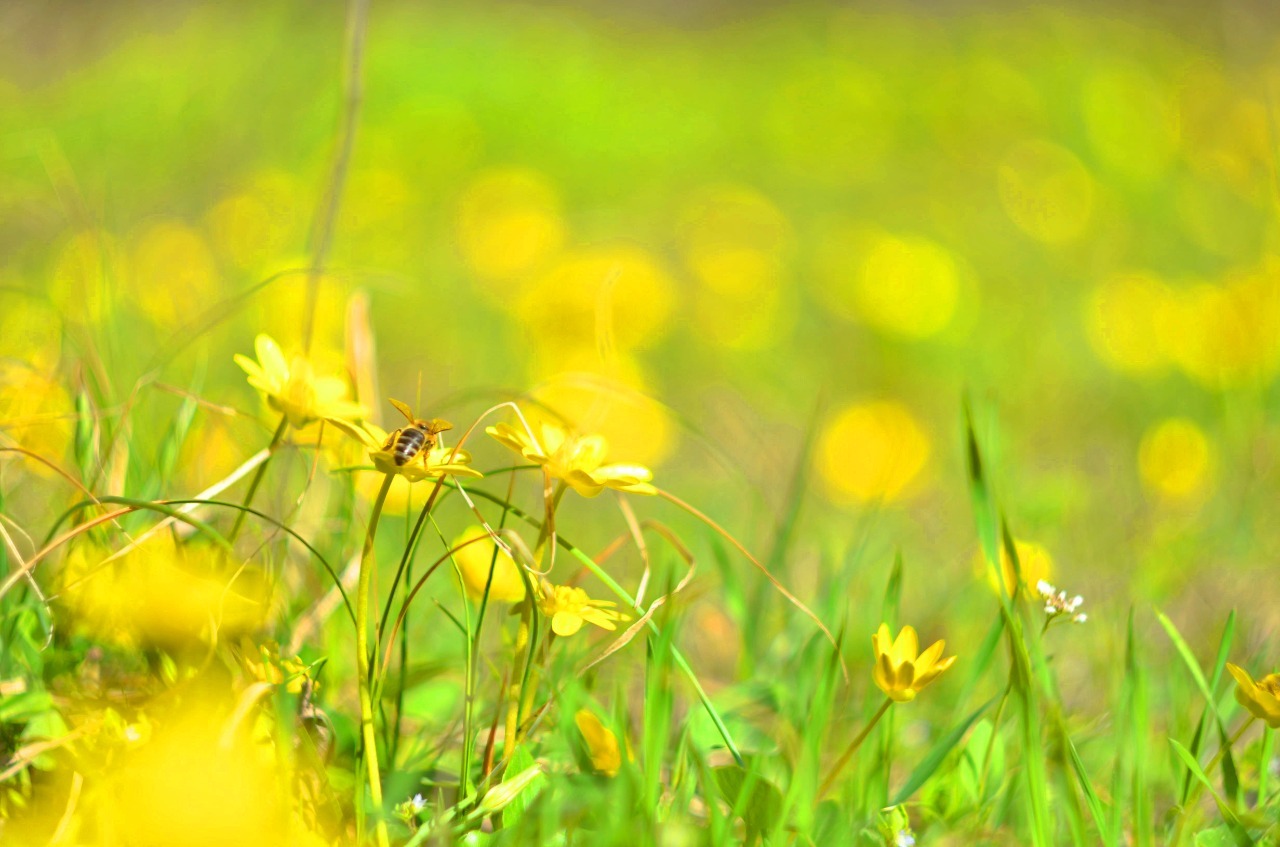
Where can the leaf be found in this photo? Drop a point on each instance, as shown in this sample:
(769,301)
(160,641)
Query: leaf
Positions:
(1237,830)
(757,800)
(940,750)
(523,794)
(1230,780)
(1086,785)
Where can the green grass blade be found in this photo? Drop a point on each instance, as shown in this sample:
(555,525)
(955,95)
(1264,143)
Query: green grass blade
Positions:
(940,750)
(1238,832)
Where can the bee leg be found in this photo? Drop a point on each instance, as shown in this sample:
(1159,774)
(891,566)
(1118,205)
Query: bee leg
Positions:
(391,440)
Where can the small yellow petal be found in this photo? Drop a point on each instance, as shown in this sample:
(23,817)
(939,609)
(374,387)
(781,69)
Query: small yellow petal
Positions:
(272,359)
(565,624)
(907,646)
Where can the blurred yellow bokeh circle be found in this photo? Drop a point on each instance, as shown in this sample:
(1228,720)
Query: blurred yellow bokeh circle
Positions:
(746,323)
(263,220)
(1176,460)
(732,217)
(1046,191)
(613,401)
(509,223)
(907,286)
(1229,334)
(35,413)
(380,217)
(1124,316)
(1034,563)
(279,309)
(173,275)
(30,329)
(872,451)
(604,296)
(84,277)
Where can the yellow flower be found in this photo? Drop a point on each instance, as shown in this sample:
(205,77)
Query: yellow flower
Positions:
(901,669)
(474,561)
(602,744)
(428,464)
(293,389)
(577,459)
(570,607)
(1260,697)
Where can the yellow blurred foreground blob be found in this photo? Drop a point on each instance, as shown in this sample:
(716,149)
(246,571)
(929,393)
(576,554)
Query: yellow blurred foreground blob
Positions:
(872,451)
(1175,461)
(35,413)
(1034,562)
(474,561)
(30,328)
(201,781)
(84,277)
(509,223)
(1046,192)
(264,219)
(173,277)
(164,594)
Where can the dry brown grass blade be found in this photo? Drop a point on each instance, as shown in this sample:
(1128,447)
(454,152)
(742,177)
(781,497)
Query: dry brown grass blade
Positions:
(23,571)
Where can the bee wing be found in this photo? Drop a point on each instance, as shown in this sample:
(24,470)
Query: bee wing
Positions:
(440,425)
(402,408)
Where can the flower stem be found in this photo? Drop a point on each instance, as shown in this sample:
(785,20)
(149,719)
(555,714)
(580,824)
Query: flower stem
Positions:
(257,478)
(1264,765)
(368,733)
(853,748)
(517,679)
(991,741)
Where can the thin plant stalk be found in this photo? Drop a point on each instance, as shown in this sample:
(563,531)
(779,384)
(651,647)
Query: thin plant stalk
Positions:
(368,733)
(520,681)
(257,477)
(1264,771)
(848,754)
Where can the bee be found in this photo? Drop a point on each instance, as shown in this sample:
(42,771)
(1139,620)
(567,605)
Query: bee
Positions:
(419,438)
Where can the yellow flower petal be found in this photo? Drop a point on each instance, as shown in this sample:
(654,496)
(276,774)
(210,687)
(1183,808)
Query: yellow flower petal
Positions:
(272,359)
(602,744)
(565,624)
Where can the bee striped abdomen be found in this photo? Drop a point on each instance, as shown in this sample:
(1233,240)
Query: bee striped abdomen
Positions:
(408,444)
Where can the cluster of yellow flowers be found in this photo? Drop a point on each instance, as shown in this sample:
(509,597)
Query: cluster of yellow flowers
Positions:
(292,388)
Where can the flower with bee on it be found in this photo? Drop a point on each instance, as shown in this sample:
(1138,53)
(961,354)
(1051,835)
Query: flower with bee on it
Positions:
(576,459)
(433,463)
(293,389)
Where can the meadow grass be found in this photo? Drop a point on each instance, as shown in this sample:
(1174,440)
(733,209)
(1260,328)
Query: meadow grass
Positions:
(234,625)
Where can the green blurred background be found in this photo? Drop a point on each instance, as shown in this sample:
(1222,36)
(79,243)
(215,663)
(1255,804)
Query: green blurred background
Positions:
(749,243)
